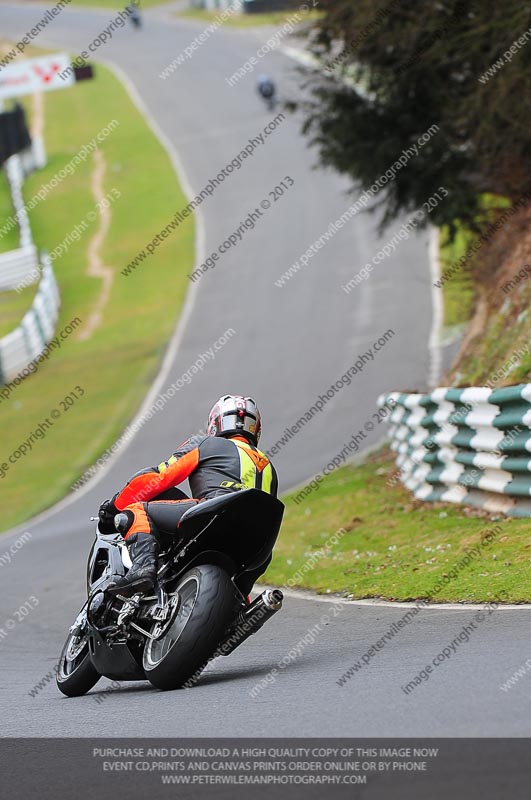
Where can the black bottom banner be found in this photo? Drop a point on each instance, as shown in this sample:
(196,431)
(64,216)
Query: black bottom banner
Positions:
(489,769)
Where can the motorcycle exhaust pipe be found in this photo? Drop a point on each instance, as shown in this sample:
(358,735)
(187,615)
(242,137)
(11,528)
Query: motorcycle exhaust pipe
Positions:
(272,598)
(262,608)
(251,619)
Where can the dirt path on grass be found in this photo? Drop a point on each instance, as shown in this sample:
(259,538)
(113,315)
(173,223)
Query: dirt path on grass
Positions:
(96,267)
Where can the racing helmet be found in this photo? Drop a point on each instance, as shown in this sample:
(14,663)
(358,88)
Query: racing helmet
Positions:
(234,414)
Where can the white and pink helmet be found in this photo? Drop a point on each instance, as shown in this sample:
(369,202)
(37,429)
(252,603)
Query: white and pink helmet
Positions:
(234,414)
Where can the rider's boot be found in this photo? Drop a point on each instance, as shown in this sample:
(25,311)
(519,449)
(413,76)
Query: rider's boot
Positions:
(143,549)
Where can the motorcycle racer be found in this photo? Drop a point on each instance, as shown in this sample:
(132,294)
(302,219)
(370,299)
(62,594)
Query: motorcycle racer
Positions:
(227,459)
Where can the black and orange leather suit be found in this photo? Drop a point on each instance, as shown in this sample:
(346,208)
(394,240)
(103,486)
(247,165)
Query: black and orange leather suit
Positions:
(213,465)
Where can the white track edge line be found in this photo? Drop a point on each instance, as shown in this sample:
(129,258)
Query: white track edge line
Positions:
(304,594)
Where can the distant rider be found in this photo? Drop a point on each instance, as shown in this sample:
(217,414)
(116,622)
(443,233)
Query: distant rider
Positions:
(226,460)
(266,89)
(134,14)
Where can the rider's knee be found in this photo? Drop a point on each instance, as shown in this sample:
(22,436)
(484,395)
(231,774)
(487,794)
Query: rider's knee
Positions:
(123,521)
(133,516)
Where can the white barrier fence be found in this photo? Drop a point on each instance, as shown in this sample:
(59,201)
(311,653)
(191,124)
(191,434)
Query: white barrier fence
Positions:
(28,341)
(16,169)
(20,268)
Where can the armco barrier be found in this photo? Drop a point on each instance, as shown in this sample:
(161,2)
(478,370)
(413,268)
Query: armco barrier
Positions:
(28,341)
(469,446)
(16,168)
(18,268)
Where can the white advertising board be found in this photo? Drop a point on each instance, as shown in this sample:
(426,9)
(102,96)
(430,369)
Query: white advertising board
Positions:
(36,75)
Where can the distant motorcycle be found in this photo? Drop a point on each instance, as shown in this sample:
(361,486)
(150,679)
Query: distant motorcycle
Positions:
(267,90)
(198,609)
(134,15)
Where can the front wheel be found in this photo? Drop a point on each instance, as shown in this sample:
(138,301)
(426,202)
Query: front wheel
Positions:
(75,672)
(207,607)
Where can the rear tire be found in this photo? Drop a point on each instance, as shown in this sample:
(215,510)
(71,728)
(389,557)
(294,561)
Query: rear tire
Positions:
(75,672)
(208,606)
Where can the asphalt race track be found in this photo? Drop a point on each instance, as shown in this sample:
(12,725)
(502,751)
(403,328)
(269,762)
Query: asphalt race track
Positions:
(291,344)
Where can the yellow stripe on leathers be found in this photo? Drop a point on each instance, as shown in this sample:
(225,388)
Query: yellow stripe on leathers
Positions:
(251,463)
(166,464)
(267,479)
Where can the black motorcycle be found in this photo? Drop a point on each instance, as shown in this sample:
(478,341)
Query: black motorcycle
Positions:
(199,609)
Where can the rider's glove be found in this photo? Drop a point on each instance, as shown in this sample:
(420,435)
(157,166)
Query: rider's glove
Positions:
(106,514)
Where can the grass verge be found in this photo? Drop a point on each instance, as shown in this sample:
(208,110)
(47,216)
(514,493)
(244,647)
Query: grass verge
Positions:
(498,349)
(116,366)
(458,292)
(13,306)
(501,354)
(396,547)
